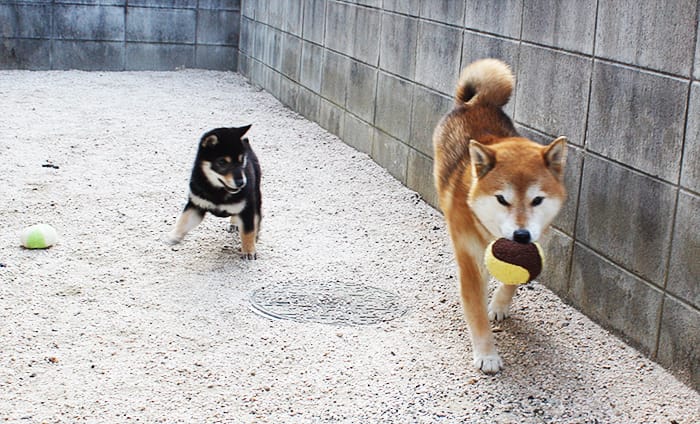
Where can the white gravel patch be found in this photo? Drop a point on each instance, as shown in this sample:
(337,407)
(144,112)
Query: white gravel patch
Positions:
(112,325)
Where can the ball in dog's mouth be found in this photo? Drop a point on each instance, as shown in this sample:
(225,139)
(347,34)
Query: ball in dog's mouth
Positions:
(514,263)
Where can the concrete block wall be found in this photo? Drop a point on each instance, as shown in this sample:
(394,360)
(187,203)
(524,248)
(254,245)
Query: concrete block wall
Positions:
(119,34)
(620,79)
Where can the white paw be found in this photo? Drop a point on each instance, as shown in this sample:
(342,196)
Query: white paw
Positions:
(498,312)
(489,364)
(172,239)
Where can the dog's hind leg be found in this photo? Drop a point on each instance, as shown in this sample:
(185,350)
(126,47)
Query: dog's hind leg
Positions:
(190,217)
(248,225)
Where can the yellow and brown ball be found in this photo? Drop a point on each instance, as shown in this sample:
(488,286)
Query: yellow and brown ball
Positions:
(511,262)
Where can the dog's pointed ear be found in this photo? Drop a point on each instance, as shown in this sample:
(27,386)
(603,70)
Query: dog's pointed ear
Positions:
(482,158)
(209,140)
(555,156)
(242,130)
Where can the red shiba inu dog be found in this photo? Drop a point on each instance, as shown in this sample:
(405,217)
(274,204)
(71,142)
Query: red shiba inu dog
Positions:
(491,183)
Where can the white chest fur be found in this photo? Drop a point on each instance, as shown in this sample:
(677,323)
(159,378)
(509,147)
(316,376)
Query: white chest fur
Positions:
(231,208)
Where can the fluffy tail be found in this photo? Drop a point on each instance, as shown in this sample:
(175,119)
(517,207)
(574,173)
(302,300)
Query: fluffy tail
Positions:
(486,82)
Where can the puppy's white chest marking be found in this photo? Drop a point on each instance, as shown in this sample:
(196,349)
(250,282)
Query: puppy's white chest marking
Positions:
(231,208)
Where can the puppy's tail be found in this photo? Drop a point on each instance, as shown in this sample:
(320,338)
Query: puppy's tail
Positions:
(485,82)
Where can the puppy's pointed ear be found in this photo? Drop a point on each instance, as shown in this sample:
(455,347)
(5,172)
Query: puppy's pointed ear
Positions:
(242,130)
(482,158)
(210,140)
(555,156)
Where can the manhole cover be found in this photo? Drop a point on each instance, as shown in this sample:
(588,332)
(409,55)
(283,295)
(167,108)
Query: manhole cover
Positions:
(331,302)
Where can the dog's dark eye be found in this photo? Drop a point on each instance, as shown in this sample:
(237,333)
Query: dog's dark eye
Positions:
(221,162)
(537,201)
(502,200)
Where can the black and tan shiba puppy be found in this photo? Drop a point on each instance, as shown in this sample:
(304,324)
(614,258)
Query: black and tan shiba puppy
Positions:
(225,182)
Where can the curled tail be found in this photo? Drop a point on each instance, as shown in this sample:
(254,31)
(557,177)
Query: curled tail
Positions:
(485,82)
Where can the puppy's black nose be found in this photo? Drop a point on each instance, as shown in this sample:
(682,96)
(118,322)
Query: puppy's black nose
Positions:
(521,236)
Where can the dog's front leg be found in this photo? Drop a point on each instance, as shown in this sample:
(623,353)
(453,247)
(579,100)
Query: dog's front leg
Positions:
(190,217)
(473,290)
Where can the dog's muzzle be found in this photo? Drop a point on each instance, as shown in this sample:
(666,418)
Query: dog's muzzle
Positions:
(233,190)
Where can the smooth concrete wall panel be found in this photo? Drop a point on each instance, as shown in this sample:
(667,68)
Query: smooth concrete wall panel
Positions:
(638,118)
(684,273)
(391,153)
(622,301)
(336,68)
(160,57)
(220,5)
(332,118)
(420,165)
(445,11)
(407,7)
(566,220)
(290,56)
(648,33)
(310,68)
(558,250)
(161,25)
(358,133)
(619,217)
(438,55)
(690,174)
(340,23)
(679,340)
(166,4)
(552,92)
(397,45)
(501,17)
(80,22)
(564,24)
(308,104)
(220,58)
(367,31)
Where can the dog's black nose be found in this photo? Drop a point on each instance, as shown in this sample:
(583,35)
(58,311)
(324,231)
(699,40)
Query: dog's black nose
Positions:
(521,236)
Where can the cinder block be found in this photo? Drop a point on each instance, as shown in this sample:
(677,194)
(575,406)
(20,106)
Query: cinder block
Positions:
(393,109)
(169,4)
(419,176)
(242,65)
(567,25)
(91,2)
(314,20)
(271,81)
(684,273)
(289,93)
(615,298)
(93,23)
(690,174)
(648,33)
(407,7)
(272,48)
(358,134)
(331,118)
(397,45)
(291,56)
(311,61)
(220,4)
(293,17)
(497,17)
(246,36)
(262,11)
(160,25)
(248,8)
(679,341)
(221,58)
(552,92)
(308,104)
(360,98)
(276,11)
(637,118)
(340,25)
(260,40)
(370,3)
(558,250)
(25,20)
(88,55)
(696,74)
(335,77)
(621,215)
(25,54)
(218,27)
(437,60)
(391,154)
(445,11)
(158,57)
(428,109)
(366,36)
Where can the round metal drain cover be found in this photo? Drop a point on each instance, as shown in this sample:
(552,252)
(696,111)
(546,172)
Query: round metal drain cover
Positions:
(331,302)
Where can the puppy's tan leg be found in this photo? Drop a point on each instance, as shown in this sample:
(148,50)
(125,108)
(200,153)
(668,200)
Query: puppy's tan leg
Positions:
(248,238)
(500,303)
(188,220)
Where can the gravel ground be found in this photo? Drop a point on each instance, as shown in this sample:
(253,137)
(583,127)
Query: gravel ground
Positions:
(112,325)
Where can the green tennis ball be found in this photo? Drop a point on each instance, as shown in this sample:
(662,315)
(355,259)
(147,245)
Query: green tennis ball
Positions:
(511,262)
(40,236)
